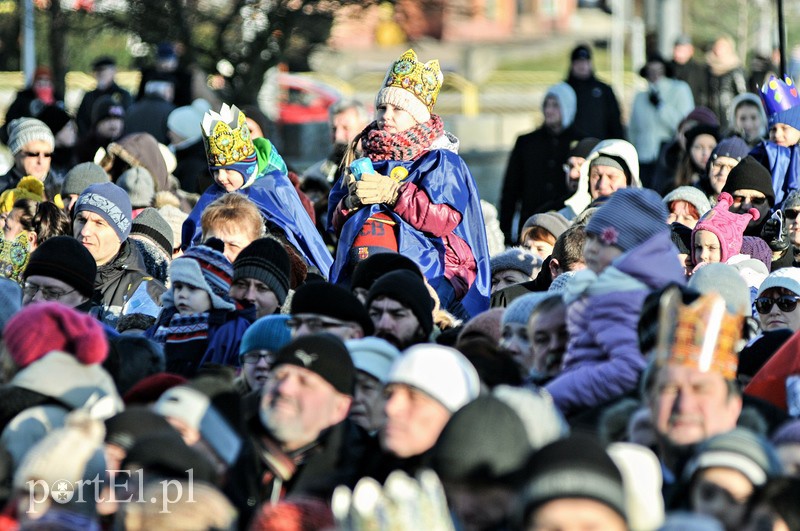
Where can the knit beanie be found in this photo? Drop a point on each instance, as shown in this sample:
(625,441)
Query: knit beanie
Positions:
(792,201)
(750,174)
(690,194)
(552,222)
(110,202)
(375,266)
(150,225)
(123,429)
(581,51)
(724,280)
(517,259)
(330,300)
(54,117)
(66,259)
(611,161)
(700,129)
(185,121)
(412,86)
(543,422)
(324,354)
(81,177)
(423,367)
(487,324)
(265,260)
(24,130)
(584,147)
(138,182)
(786,277)
(484,442)
(727,226)
(575,467)
(373,356)
(629,218)
(43,327)
(72,454)
(521,308)
(739,449)
(408,289)
(205,267)
(10,301)
(268,333)
(732,147)
(702,115)
(175,217)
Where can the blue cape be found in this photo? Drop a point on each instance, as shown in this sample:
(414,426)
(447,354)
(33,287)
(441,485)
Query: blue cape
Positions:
(446,179)
(784,166)
(278,202)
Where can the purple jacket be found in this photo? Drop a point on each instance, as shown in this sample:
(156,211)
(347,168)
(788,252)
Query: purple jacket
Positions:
(603,360)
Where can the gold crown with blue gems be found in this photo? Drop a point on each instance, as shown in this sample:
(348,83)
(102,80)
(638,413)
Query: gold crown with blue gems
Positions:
(226,136)
(422,80)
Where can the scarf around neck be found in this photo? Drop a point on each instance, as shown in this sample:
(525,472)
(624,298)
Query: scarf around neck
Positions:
(406,145)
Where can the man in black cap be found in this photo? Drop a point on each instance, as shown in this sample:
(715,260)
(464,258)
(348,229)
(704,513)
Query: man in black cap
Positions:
(60,269)
(401,309)
(261,276)
(301,436)
(323,307)
(104,69)
(750,184)
(598,112)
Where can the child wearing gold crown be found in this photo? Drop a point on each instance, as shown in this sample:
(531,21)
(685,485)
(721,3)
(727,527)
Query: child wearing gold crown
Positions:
(421,199)
(253,167)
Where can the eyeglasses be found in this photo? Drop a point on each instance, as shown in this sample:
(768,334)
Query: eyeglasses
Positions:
(254,356)
(32,155)
(790,214)
(786,303)
(49,294)
(314,324)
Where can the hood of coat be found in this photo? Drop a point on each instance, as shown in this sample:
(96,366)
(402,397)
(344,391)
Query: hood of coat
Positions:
(141,149)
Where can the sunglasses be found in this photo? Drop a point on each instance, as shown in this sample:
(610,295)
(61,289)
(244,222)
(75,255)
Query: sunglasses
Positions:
(790,214)
(32,155)
(786,303)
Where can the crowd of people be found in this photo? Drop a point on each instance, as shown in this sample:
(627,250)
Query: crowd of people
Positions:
(197,337)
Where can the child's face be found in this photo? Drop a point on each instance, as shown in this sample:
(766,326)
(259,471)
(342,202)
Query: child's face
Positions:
(701,149)
(748,121)
(230,180)
(784,135)
(394,119)
(597,254)
(540,248)
(189,299)
(706,247)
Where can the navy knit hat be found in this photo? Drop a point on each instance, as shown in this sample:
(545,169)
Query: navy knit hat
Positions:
(110,202)
(733,147)
(265,260)
(324,354)
(630,217)
(409,290)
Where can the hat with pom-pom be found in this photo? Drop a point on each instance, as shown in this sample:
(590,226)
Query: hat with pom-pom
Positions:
(44,327)
(727,226)
(205,267)
(629,218)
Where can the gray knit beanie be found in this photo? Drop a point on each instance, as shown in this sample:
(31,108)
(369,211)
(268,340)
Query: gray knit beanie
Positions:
(517,259)
(690,194)
(138,182)
(739,449)
(552,222)
(629,218)
(150,225)
(521,308)
(24,130)
(82,177)
(724,280)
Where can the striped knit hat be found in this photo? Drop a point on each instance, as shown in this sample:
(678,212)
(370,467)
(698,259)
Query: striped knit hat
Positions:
(205,267)
(630,217)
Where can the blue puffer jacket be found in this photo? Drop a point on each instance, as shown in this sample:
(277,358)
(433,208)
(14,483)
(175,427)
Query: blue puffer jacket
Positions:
(603,360)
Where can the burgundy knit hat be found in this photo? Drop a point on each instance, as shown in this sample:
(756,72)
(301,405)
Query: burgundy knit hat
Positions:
(47,326)
(727,226)
(148,389)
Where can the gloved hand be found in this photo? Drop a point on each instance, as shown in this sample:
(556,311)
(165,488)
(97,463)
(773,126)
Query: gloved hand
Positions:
(374,188)
(351,201)
(775,235)
(654,98)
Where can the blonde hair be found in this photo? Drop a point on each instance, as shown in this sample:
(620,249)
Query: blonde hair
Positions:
(233,209)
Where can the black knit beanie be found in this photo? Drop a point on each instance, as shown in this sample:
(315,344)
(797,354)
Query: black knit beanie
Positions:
(265,260)
(409,290)
(575,467)
(324,354)
(66,259)
(371,269)
(334,301)
(750,174)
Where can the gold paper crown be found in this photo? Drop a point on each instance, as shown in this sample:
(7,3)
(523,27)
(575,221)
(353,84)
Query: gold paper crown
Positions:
(702,335)
(422,80)
(226,136)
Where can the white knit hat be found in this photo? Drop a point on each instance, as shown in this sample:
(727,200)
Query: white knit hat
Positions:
(786,277)
(372,355)
(441,372)
(24,130)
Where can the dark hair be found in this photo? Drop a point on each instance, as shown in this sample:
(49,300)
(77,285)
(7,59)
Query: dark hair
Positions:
(780,494)
(28,208)
(495,365)
(568,249)
(50,221)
